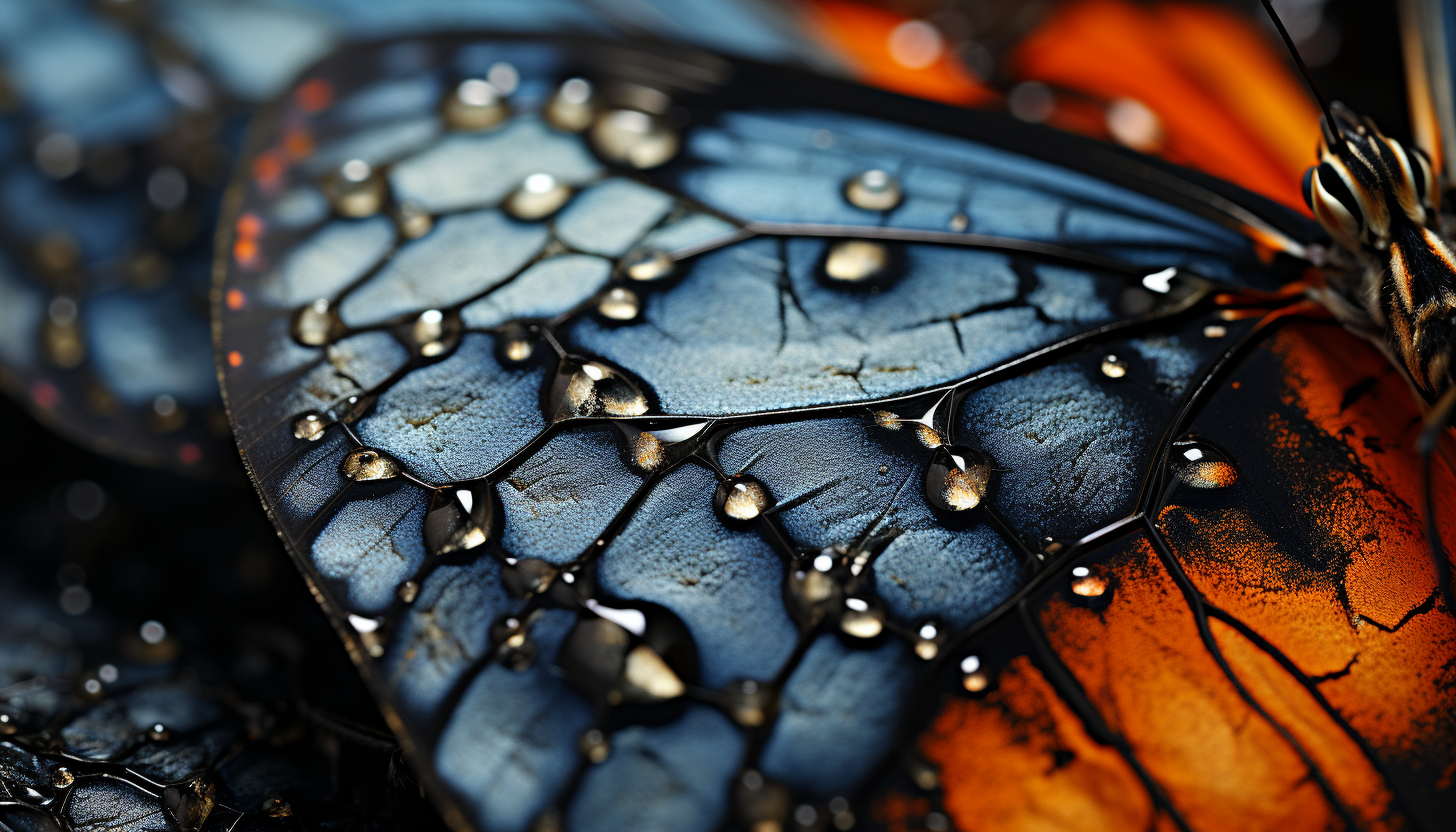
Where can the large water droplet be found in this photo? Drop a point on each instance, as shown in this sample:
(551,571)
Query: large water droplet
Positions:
(538,197)
(459,518)
(582,387)
(874,190)
(316,324)
(433,333)
(648,264)
(861,618)
(310,426)
(742,499)
(356,190)
(634,138)
(412,220)
(366,464)
(1088,583)
(957,478)
(619,304)
(1114,366)
(474,104)
(856,261)
(1202,465)
(572,107)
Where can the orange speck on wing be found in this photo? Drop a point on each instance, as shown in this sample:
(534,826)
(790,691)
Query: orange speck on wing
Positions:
(235,359)
(249,225)
(268,168)
(45,394)
(1019,760)
(297,144)
(866,37)
(314,95)
(235,299)
(245,251)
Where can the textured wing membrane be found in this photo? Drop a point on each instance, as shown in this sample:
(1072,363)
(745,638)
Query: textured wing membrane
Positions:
(652,442)
(1267,650)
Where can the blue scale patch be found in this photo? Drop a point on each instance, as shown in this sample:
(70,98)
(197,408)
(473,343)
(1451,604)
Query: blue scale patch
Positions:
(687,485)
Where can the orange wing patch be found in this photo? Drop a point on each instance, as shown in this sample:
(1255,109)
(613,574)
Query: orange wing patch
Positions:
(1019,760)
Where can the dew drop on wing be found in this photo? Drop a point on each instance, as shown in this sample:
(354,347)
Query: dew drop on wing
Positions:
(647,265)
(368,464)
(316,324)
(539,196)
(741,499)
(189,803)
(460,518)
(957,478)
(874,190)
(474,105)
(1202,465)
(634,138)
(582,387)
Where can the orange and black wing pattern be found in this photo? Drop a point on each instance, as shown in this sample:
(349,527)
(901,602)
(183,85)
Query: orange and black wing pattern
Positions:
(1265,648)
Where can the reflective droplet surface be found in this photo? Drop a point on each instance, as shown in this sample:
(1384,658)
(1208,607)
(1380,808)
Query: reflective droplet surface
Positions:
(572,106)
(973,678)
(434,333)
(1214,331)
(648,264)
(874,190)
(474,104)
(309,426)
(582,387)
(647,452)
(749,703)
(356,190)
(408,591)
(633,138)
(647,677)
(861,619)
(367,464)
(594,746)
(957,478)
(856,261)
(316,324)
(619,304)
(1113,366)
(538,197)
(1087,583)
(277,807)
(62,777)
(459,518)
(514,648)
(1201,465)
(528,577)
(412,220)
(742,498)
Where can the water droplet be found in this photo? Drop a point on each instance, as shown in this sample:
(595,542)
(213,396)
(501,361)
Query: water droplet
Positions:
(634,138)
(7,727)
(647,452)
(928,436)
(1113,366)
(365,464)
(582,387)
(742,498)
(957,478)
(159,733)
(1201,465)
(874,190)
(1087,583)
(619,304)
(528,577)
(356,190)
(647,678)
(922,774)
(310,426)
(514,648)
(936,822)
(861,619)
(516,350)
(856,261)
(538,197)
(460,518)
(62,777)
(812,593)
(434,333)
(189,803)
(409,591)
(759,803)
(927,646)
(594,746)
(975,682)
(475,104)
(594,655)
(277,807)
(571,108)
(749,703)
(1132,123)
(316,324)
(960,222)
(1214,331)
(412,220)
(371,633)
(805,815)
(648,264)
(152,632)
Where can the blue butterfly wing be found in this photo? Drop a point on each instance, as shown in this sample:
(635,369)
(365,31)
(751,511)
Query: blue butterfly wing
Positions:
(725,276)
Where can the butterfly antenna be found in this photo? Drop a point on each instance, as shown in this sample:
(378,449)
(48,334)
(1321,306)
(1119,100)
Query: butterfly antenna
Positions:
(1304,70)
